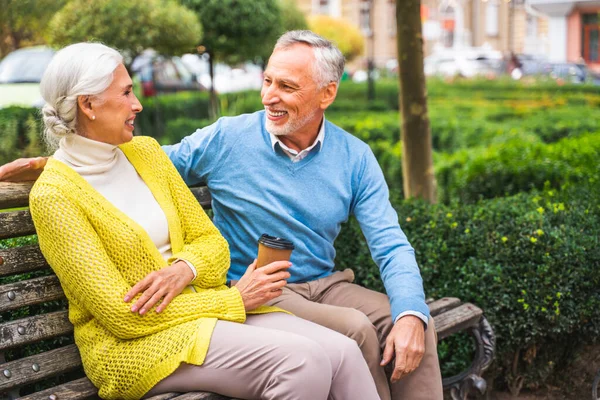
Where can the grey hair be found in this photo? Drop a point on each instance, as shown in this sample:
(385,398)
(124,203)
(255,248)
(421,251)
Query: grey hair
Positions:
(77,70)
(329,65)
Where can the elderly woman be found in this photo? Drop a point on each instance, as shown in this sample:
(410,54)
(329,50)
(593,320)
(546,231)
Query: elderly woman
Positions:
(117,224)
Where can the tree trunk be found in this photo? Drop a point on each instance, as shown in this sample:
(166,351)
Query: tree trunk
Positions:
(213,94)
(417,163)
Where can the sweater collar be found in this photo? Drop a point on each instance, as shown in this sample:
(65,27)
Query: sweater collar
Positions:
(85,155)
(320,137)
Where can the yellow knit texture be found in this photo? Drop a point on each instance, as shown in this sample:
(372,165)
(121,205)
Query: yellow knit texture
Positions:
(99,253)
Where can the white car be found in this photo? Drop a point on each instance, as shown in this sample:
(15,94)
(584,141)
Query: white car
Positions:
(20,75)
(468,62)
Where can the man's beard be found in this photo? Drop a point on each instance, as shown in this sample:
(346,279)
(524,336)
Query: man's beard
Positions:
(290,127)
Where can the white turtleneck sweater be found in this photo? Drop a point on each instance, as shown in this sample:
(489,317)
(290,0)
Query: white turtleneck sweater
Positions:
(106,169)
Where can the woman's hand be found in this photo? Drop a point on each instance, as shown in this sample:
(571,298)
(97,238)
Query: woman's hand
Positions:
(260,285)
(163,284)
(23,169)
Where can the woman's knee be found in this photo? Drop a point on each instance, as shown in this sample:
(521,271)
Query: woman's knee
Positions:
(304,360)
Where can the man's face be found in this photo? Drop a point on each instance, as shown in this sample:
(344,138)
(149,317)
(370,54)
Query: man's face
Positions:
(290,94)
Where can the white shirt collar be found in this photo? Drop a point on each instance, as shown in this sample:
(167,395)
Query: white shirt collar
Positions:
(295,155)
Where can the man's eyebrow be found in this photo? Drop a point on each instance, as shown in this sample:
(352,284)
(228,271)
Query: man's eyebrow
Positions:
(289,82)
(127,87)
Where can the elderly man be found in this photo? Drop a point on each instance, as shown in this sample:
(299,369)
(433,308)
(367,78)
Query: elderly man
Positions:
(288,172)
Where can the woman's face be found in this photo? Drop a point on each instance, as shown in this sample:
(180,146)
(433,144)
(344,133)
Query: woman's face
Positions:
(115,111)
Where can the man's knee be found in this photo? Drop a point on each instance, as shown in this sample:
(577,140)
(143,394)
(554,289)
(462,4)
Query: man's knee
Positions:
(357,326)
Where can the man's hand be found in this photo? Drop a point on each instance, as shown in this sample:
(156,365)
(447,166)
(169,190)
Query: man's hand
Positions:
(163,284)
(259,285)
(407,342)
(23,169)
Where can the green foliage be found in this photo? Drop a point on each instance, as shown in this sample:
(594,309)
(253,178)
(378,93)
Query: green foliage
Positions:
(529,261)
(20,133)
(517,166)
(237,30)
(179,128)
(291,17)
(160,112)
(23,22)
(130,26)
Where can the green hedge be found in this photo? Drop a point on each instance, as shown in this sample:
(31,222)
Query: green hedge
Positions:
(159,111)
(514,167)
(20,133)
(530,261)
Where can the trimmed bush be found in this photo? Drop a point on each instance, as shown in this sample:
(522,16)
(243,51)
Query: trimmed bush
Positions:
(20,133)
(530,261)
(515,167)
(159,110)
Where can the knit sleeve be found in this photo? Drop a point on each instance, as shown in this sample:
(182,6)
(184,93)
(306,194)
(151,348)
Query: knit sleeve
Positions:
(203,245)
(90,278)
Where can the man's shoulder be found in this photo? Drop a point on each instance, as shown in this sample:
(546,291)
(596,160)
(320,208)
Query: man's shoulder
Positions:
(344,139)
(240,123)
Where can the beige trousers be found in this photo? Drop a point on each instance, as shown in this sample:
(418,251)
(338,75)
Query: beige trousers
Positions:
(277,357)
(365,316)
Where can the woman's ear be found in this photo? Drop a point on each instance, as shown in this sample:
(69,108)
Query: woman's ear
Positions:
(85,105)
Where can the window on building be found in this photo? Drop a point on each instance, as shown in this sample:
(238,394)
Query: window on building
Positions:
(391,17)
(532,26)
(591,38)
(365,16)
(323,7)
(492,12)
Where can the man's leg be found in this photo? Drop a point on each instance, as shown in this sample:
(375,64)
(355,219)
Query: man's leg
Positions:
(347,321)
(425,383)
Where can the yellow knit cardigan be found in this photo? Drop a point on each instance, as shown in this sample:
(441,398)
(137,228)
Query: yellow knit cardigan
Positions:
(99,253)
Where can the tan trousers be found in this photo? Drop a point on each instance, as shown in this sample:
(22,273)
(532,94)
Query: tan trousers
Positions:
(365,316)
(276,357)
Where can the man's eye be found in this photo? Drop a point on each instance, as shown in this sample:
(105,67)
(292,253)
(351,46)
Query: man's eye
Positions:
(127,92)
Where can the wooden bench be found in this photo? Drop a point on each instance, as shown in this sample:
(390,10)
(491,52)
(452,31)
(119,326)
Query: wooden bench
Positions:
(33,309)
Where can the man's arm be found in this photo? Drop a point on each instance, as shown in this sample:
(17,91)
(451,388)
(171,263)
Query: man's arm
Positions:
(395,257)
(23,169)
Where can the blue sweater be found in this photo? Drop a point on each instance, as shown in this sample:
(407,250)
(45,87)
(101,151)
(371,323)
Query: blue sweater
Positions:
(256,189)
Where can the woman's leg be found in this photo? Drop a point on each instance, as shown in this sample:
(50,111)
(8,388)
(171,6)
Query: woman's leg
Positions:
(352,379)
(253,362)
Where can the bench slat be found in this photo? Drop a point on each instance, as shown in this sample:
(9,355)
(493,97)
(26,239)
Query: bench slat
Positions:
(50,363)
(14,194)
(33,291)
(203,196)
(21,259)
(80,389)
(33,329)
(457,319)
(442,305)
(16,223)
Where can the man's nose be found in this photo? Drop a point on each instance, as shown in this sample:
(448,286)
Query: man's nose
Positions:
(270,95)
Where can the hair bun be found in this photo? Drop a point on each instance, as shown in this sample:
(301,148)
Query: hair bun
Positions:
(55,126)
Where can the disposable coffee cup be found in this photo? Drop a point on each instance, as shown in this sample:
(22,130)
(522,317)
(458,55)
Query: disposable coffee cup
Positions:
(271,249)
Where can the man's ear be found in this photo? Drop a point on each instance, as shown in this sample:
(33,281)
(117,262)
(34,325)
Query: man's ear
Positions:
(85,105)
(328,94)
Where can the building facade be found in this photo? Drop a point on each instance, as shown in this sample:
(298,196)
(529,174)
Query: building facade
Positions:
(504,25)
(574,28)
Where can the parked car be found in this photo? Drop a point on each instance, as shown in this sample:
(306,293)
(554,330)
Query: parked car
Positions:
(245,76)
(467,62)
(20,75)
(159,74)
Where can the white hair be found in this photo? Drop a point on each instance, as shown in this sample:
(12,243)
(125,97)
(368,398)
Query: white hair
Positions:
(77,70)
(329,65)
